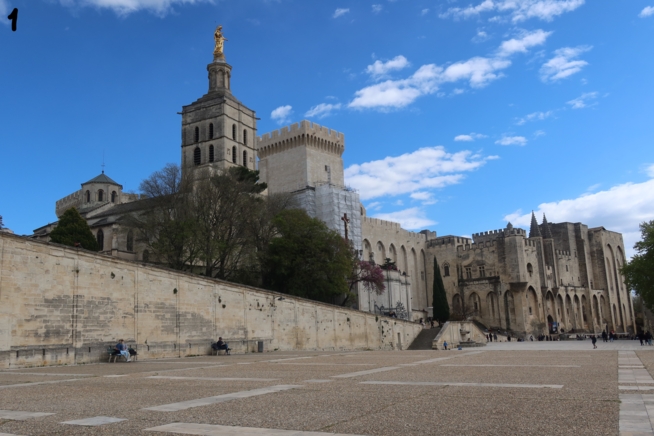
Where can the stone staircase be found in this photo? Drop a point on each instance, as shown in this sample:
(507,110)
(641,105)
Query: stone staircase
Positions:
(424,339)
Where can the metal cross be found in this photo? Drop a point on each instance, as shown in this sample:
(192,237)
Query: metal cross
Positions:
(346,221)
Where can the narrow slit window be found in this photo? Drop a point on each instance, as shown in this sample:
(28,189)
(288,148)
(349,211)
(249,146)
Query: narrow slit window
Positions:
(234,132)
(197,134)
(211,131)
(245,137)
(234,154)
(197,156)
(113,196)
(211,153)
(100,195)
(245,158)
(100,238)
(88,196)
(130,241)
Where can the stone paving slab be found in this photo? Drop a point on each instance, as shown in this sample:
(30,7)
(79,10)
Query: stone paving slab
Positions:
(94,421)
(174,407)
(344,405)
(221,430)
(17,415)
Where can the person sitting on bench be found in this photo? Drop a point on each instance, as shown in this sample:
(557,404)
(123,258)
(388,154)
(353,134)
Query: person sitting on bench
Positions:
(221,345)
(122,349)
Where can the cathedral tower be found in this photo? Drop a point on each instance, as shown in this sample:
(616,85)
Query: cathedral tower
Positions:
(218,131)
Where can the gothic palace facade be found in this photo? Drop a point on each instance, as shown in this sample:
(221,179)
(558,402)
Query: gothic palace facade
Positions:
(561,275)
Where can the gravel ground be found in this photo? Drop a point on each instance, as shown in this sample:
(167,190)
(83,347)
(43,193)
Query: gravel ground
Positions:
(587,404)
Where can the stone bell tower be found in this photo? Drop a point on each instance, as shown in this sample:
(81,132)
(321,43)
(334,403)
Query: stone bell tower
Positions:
(218,131)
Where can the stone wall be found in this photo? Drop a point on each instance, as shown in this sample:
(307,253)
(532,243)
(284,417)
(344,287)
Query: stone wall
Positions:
(59,305)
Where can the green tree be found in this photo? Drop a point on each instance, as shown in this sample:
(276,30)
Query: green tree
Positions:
(639,271)
(72,229)
(308,259)
(441,308)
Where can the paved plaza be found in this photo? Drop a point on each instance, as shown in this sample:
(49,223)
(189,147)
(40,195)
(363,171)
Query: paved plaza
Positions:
(503,389)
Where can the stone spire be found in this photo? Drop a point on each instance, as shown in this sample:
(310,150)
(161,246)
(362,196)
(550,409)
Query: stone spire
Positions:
(547,232)
(534,230)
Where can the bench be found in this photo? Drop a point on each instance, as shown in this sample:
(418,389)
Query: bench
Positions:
(114,354)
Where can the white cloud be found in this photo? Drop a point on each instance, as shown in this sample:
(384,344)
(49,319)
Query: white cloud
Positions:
(125,7)
(477,72)
(424,196)
(563,64)
(424,12)
(377,8)
(380,69)
(534,116)
(648,11)
(470,137)
(512,140)
(375,205)
(524,43)
(621,209)
(424,169)
(4,11)
(322,110)
(341,11)
(412,218)
(519,10)
(650,170)
(282,114)
(583,100)
(481,36)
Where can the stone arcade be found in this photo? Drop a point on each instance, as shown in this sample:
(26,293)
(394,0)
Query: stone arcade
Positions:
(562,276)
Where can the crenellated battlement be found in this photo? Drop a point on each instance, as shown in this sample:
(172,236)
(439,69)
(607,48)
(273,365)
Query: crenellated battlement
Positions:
(562,253)
(476,246)
(391,225)
(500,233)
(71,200)
(447,241)
(303,133)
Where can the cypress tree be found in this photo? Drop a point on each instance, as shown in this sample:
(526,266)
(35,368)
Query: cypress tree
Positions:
(72,229)
(441,308)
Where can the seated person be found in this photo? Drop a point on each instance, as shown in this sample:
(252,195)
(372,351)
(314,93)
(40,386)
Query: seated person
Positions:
(221,345)
(122,349)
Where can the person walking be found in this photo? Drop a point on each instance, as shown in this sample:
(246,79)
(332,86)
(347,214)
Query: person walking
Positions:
(594,340)
(640,337)
(495,337)
(604,338)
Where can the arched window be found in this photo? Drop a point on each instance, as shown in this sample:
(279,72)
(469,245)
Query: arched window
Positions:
(210,130)
(245,158)
(100,238)
(530,269)
(146,255)
(245,137)
(197,134)
(113,196)
(211,153)
(88,196)
(130,241)
(234,154)
(100,195)
(234,132)
(197,156)
(446,270)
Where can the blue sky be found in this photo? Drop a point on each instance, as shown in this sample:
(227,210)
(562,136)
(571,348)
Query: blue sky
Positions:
(458,115)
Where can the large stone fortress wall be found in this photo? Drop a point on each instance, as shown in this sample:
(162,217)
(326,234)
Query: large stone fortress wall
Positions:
(301,155)
(59,305)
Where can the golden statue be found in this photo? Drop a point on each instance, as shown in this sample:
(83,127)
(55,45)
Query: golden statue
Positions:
(218,52)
